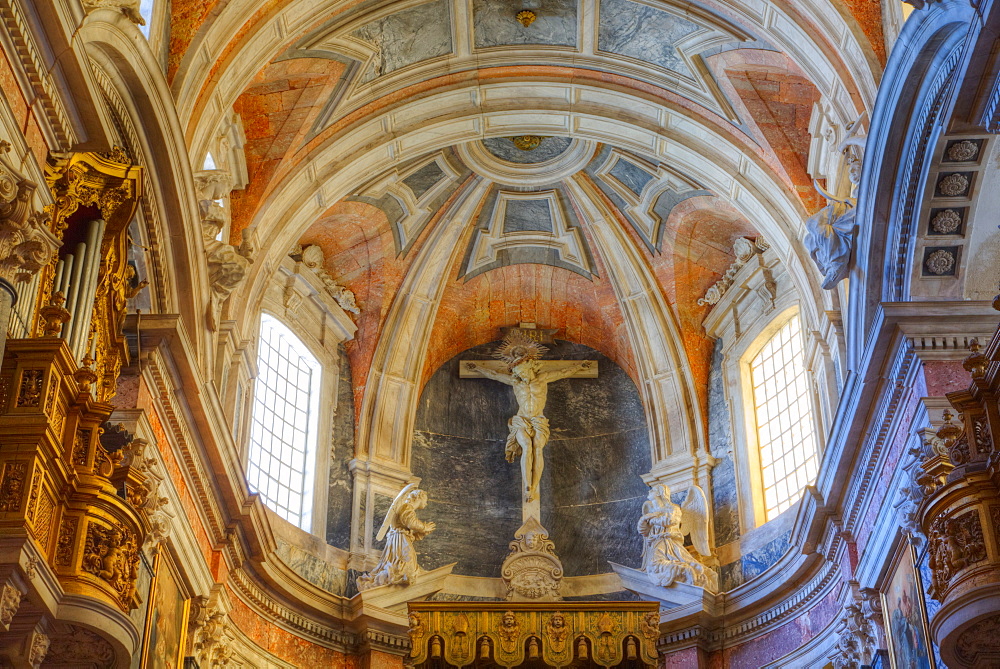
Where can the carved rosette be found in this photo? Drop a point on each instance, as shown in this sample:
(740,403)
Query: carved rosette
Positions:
(557,634)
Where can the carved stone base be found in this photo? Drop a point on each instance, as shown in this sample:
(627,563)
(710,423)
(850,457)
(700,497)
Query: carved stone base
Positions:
(532,571)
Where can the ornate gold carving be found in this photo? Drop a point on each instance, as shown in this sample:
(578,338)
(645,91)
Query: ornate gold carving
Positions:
(54,315)
(525,17)
(111,554)
(81,445)
(955,543)
(527,142)
(43,523)
(29,393)
(36,484)
(12,485)
(64,549)
(526,631)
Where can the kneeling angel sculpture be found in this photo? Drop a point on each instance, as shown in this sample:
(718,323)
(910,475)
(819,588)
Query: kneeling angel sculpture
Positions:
(663,526)
(398,564)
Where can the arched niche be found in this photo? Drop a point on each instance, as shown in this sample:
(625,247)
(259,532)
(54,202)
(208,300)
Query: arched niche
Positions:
(592,489)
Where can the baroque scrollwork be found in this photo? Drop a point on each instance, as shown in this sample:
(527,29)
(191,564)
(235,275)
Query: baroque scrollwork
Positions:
(111,554)
(955,543)
(401,528)
(12,485)
(10,601)
(26,242)
(312,256)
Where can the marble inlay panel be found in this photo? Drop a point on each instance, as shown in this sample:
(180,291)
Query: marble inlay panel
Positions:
(631,176)
(424,179)
(407,37)
(644,33)
(756,562)
(505,149)
(524,215)
(495,25)
(341,484)
(725,496)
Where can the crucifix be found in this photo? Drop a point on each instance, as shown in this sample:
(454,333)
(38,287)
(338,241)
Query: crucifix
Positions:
(519,365)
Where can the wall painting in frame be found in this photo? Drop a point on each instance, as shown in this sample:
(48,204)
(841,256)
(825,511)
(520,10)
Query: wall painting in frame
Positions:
(905,617)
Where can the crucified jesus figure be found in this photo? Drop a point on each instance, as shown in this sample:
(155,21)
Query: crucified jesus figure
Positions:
(530,379)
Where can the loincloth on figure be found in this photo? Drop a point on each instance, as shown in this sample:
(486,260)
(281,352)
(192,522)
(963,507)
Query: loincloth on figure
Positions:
(533,428)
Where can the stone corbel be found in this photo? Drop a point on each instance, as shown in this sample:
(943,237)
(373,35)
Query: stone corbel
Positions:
(857,638)
(212,634)
(10,602)
(130,8)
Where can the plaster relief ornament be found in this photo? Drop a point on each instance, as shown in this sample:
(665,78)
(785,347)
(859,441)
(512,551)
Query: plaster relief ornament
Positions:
(940,262)
(964,151)
(26,243)
(663,526)
(830,238)
(401,528)
(953,185)
(528,430)
(312,256)
(946,222)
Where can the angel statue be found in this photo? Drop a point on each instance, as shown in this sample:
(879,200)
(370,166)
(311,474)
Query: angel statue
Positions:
(398,564)
(664,525)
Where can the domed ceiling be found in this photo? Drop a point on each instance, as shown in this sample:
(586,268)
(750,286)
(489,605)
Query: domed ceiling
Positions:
(588,171)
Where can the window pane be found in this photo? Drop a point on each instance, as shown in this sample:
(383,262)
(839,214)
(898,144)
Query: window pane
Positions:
(283,434)
(785,430)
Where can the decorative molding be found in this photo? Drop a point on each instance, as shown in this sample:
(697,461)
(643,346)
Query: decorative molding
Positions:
(744,249)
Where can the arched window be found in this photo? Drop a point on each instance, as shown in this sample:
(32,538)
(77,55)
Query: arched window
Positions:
(783,418)
(284,423)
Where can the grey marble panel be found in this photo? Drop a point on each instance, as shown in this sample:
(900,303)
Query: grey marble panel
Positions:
(380,506)
(592,492)
(407,37)
(644,33)
(495,23)
(730,576)
(631,175)
(313,569)
(424,179)
(725,498)
(527,215)
(756,562)
(620,596)
(341,484)
(505,149)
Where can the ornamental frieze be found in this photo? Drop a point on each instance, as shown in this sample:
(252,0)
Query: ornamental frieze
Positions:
(558,634)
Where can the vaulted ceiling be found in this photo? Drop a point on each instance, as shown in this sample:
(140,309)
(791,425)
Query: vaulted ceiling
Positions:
(388,133)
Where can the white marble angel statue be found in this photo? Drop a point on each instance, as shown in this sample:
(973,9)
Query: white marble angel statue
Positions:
(663,526)
(401,528)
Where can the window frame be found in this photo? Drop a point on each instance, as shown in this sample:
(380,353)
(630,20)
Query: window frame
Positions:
(327,387)
(754,469)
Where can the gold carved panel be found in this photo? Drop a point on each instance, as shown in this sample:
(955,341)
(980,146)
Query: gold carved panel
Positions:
(558,634)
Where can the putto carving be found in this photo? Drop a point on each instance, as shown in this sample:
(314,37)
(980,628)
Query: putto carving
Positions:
(955,543)
(26,242)
(111,554)
(10,601)
(401,528)
(663,526)
(830,238)
(312,256)
(508,630)
(743,249)
(532,571)
(146,497)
